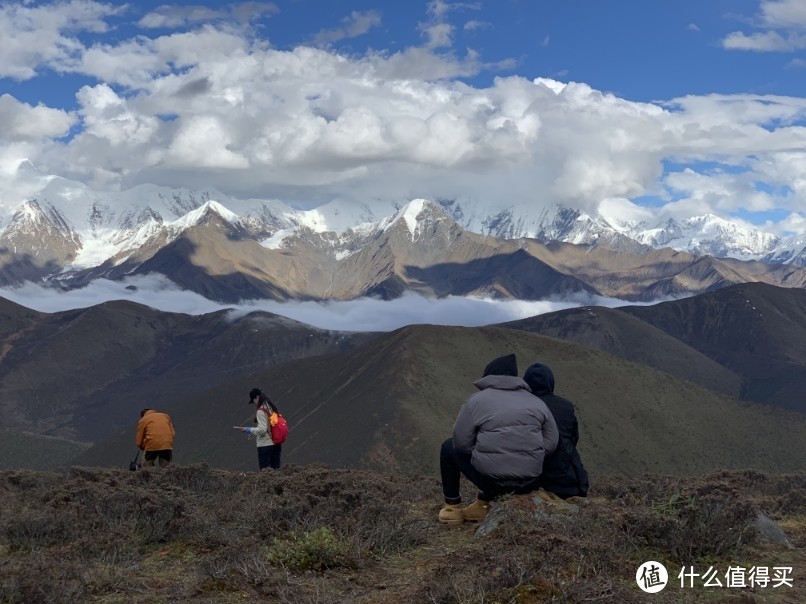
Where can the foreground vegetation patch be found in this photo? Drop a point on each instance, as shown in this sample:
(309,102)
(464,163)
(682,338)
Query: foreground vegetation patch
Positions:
(315,534)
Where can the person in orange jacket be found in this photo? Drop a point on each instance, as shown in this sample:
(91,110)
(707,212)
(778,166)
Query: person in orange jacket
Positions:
(155,436)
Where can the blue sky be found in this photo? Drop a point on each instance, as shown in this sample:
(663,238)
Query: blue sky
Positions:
(672,107)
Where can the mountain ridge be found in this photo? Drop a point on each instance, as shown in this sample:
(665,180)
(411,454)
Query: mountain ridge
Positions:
(744,340)
(228,257)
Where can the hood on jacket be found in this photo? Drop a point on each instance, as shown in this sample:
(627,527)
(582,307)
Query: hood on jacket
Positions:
(505,365)
(539,378)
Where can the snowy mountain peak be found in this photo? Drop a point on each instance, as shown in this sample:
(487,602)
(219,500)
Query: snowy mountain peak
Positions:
(203,213)
(711,235)
(33,215)
(29,211)
(414,215)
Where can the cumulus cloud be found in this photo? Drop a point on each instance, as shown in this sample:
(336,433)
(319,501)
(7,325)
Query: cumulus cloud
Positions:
(784,13)
(36,36)
(216,106)
(22,122)
(357,315)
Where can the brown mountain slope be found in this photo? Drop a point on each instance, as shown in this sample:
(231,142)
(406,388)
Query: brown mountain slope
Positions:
(631,338)
(657,273)
(754,329)
(225,262)
(206,260)
(703,275)
(390,402)
(85,373)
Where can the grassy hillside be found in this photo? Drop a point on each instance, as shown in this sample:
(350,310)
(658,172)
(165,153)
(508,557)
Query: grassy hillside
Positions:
(754,329)
(745,340)
(84,374)
(388,404)
(36,452)
(617,332)
(313,534)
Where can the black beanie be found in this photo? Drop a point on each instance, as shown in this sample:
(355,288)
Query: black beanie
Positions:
(539,378)
(506,365)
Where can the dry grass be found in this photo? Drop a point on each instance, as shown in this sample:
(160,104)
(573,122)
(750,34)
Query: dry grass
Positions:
(314,534)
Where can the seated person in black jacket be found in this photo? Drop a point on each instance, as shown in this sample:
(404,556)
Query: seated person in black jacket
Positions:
(563,472)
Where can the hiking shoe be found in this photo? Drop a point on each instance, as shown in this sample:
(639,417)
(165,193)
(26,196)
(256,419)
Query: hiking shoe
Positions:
(451,513)
(476,511)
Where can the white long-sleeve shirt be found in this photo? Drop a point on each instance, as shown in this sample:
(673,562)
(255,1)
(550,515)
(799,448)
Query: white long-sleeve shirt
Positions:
(262,432)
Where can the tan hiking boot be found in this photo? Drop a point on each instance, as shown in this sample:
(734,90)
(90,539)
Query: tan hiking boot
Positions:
(476,511)
(451,513)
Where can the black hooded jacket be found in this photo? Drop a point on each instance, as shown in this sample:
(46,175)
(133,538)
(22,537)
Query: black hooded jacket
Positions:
(563,472)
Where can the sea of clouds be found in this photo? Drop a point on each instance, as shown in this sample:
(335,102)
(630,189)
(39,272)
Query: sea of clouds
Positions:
(365,314)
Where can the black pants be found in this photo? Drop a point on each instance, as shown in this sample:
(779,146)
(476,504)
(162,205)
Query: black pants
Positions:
(269,457)
(165,457)
(453,464)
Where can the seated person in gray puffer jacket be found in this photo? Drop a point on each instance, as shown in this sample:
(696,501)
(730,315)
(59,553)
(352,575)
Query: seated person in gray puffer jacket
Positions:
(500,438)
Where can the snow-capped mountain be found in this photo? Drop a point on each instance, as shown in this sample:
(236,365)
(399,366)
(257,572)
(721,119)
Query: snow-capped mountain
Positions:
(72,234)
(699,235)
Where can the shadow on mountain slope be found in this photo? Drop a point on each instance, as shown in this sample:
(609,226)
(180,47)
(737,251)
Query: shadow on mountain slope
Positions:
(509,275)
(19,268)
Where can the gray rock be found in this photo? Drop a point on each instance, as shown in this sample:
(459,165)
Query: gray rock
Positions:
(546,508)
(769,531)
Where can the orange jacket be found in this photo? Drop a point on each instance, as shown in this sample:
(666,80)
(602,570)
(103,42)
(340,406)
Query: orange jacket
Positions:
(155,432)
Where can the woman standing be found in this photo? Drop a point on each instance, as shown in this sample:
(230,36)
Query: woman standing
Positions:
(268,453)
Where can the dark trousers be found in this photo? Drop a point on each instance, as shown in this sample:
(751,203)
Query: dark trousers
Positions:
(269,457)
(453,464)
(165,456)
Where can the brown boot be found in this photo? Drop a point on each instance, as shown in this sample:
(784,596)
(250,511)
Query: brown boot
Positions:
(451,513)
(476,511)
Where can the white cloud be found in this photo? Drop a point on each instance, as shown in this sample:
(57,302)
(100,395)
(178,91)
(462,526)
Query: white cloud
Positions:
(794,223)
(768,41)
(217,107)
(439,9)
(22,122)
(717,192)
(782,24)
(784,13)
(176,16)
(357,315)
(474,25)
(356,24)
(438,32)
(32,37)
(438,35)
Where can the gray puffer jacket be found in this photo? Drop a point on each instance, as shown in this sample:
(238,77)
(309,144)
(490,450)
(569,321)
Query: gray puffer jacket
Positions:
(506,429)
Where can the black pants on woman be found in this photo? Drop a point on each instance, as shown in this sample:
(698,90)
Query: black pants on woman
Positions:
(269,456)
